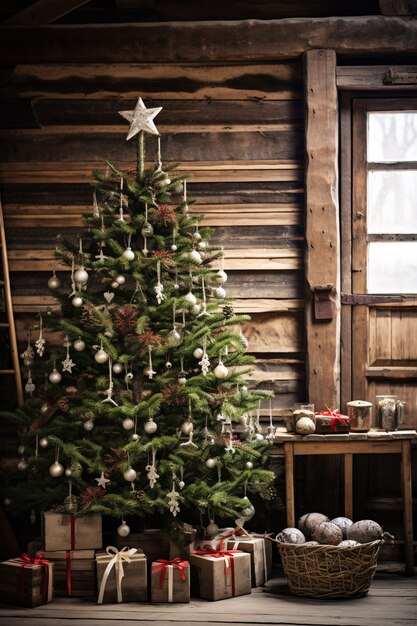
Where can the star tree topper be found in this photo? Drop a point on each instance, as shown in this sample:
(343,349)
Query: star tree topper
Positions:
(141,118)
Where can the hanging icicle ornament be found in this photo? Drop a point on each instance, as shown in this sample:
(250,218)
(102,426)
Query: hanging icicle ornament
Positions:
(244,341)
(187,426)
(109,391)
(30,386)
(96,210)
(56,470)
(151,371)
(176,283)
(271,428)
(204,302)
(163,179)
(28,355)
(121,207)
(101,256)
(152,474)
(128,254)
(220,371)
(258,427)
(174,246)
(54,282)
(205,361)
(40,342)
(67,363)
(159,288)
(173,337)
(184,199)
(55,376)
(172,496)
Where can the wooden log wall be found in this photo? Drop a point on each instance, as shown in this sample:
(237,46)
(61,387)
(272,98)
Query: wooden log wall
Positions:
(238,128)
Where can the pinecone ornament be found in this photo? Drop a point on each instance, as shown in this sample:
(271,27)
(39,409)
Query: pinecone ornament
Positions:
(228,311)
(88,319)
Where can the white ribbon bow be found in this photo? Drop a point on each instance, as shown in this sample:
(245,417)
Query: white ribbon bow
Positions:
(117,562)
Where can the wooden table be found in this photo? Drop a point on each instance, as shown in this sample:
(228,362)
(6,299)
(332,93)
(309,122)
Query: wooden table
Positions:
(295,445)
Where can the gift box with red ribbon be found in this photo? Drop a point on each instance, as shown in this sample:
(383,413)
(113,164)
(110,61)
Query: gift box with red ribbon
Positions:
(170,580)
(27,581)
(219,574)
(330,421)
(74,572)
(65,531)
(255,546)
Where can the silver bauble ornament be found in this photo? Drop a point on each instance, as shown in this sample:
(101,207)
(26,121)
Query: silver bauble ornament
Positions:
(54,282)
(89,425)
(181,379)
(150,426)
(128,254)
(21,449)
(79,345)
(173,338)
(135,437)
(197,236)
(212,529)
(220,277)
(123,530)
(44,408)
(44,442)
(195,257)
(181,484)
(71,504)
(128,423)
(168,365)
(146,230)
(130,475)
(210,463)
(55,377)
(190,297)
(22,465)
(219,292)
(221,371)
(198,353)
(248,512)
(56,470)
(187,427)
(120,279)
(259,436)
(101,356)
(118,368)
(114,285)
(174,248)
(248,465)
(81,276)
(77,302)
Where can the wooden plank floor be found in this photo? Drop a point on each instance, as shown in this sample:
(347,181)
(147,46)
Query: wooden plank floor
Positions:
(392,600)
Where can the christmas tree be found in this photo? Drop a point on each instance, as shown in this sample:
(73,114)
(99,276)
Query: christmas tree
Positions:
(144,410)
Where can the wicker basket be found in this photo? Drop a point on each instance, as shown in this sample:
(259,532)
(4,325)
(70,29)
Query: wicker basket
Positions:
(329,571)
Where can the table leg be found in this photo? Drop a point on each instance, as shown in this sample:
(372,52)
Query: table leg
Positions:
(289,483)
(348,479)
(407,506)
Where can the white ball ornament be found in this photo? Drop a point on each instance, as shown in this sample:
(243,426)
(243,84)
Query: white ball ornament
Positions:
(120,279)
(123,530)
(89,425)
(150,426)
(77,302)
(190,297)
(81,276)
(197,236)
(221,371)
(135,437)
(79,345)
(248,465)
(196,309)
(168,365)
(210,463)
(198,353)
(22,465)
(174,248)
(195,257)
(56,470)
(44,442)
(101,356)
(114,285)
(202,245)
(128,254)
(118,368)
(54,282)
(130,475)
(44,408)
(55,377)
(187,427)
(220,292)
(259,436)
(128,423)
(181,484)
(182,380)
(220,277)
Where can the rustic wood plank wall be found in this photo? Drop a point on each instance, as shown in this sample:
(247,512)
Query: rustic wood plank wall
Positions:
(238,128)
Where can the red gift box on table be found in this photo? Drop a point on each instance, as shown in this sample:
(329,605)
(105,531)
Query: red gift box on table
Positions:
(26,581)
(219,574)
(329,422)
(170,580)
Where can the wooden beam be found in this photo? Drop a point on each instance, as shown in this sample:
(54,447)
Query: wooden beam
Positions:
(375,77)
(44,12)
(322,225)
(194,42)
(397,7)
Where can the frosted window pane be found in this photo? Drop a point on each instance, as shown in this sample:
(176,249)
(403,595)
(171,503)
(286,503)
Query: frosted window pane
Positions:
(392,201)
(392,267)
(392,137)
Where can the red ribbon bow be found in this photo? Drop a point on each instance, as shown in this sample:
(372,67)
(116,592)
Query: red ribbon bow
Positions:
(162,567)
(236,532)
(336,417)
(39,559)
(227,555)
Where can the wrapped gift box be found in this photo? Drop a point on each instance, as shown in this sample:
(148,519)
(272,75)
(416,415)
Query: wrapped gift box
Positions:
(255,547)
(74,572)
(121,575)
(154,543)
(328,423)
(212,542)
(25,581)
(170,580)
(224,574)
(63,531)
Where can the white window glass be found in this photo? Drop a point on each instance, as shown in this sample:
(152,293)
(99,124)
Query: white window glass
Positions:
(392,267)
(392,137)
(392,201)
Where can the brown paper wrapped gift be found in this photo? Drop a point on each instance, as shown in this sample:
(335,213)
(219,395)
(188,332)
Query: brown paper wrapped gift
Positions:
(170,580)
(26,581)
(219,574)
(74,573)
(255,546)
(121,575)
(63,531)
(328,422)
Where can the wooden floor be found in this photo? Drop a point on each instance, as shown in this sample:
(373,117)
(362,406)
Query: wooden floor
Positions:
(392,601)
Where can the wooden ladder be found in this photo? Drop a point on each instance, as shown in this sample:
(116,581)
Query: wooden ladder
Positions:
(5,284)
